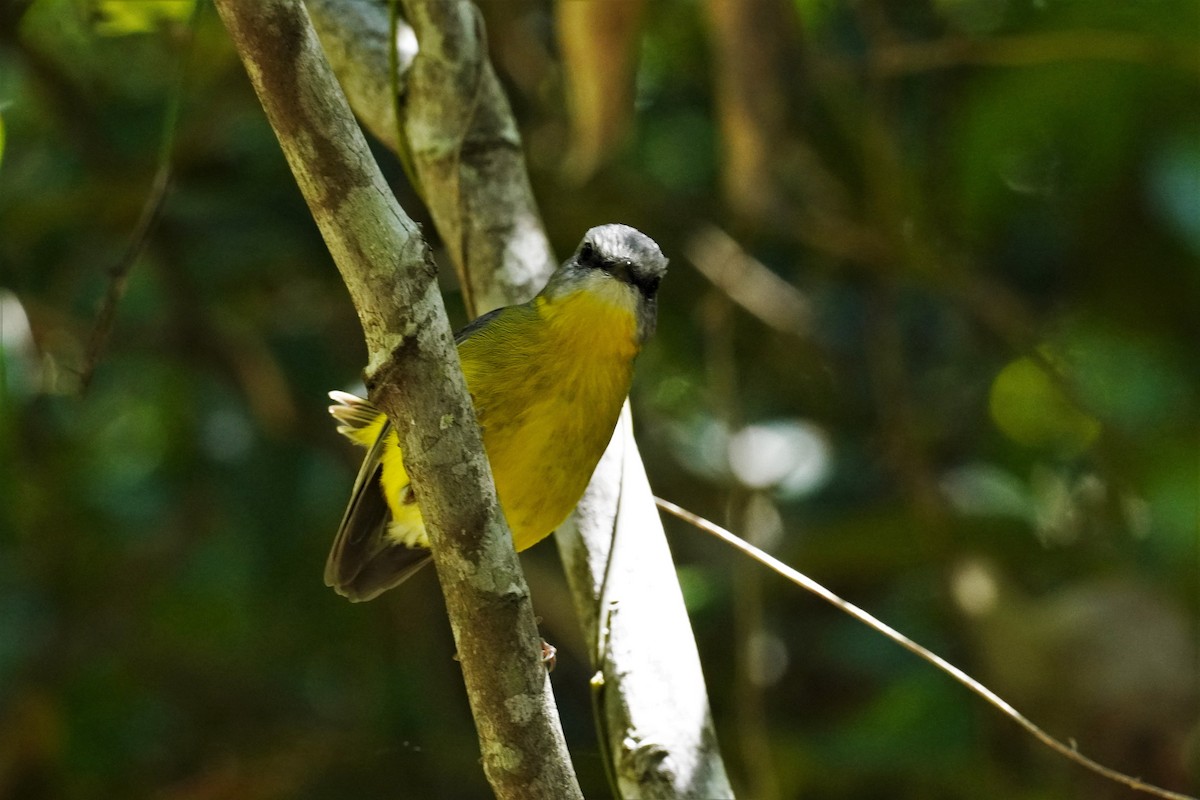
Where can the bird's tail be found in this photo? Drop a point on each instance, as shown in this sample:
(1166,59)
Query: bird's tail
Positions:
(358,419)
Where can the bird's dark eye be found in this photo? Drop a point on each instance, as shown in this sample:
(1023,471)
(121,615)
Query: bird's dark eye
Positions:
(588,256)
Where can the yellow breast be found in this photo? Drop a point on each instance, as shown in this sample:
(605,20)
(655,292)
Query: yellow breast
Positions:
(548,394)
(548,379)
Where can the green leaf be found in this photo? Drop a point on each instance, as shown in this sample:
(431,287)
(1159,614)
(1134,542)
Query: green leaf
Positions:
(1029,405)
(122,18)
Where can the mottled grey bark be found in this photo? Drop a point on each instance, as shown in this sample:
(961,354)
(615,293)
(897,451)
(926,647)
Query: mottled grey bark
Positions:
(466,150)
(460,139)
(391,278)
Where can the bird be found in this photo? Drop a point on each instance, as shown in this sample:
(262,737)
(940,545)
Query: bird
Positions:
(547,378)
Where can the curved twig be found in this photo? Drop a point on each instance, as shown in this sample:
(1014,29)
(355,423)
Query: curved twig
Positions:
(1068,751)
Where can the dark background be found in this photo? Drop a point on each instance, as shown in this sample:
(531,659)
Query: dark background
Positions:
(971,408)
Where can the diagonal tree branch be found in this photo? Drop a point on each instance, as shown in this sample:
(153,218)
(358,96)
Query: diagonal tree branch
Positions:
(656,726)
(391,278)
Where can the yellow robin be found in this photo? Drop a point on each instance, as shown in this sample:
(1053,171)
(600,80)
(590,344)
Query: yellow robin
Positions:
(547,378)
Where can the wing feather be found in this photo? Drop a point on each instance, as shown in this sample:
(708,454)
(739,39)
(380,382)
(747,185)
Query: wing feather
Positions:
(363,561)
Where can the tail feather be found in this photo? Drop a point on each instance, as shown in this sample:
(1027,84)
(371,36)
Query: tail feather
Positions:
(390,567)
(358,417)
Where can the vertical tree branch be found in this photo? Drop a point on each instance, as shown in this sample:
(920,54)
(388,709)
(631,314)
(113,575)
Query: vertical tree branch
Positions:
(350,34)
(465,145)
(391,278)
(656,725)
(466,150)
(459,131)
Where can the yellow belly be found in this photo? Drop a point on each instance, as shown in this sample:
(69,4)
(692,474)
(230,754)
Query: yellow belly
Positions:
(548,381)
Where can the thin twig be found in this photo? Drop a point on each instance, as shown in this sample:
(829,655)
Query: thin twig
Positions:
(151,212)
(118,275)
(803,581)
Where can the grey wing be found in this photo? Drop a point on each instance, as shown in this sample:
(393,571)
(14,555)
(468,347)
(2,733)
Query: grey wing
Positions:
(478,324)
(363,562)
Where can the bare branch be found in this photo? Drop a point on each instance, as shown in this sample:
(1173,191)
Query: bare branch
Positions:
(388,270)
(118,274)
(354,33)
(803,581)
(467,153)
(459,134)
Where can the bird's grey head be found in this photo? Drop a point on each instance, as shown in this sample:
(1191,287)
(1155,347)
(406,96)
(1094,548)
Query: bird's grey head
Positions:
(626,253)
(626,257)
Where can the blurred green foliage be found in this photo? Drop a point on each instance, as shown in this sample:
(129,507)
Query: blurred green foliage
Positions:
(988,434)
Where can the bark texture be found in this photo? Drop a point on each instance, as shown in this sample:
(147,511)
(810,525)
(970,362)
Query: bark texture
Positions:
(391,278)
